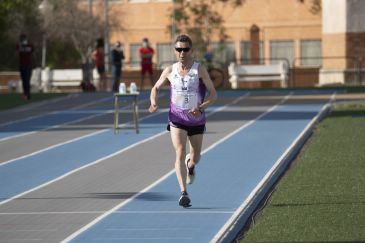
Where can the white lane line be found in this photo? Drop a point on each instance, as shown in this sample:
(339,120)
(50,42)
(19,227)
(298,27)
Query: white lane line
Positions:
(90,164)
(122,212)
(142,238)
(35,105)
(111,155)
(17,240)
(72,140)
(150,229)
(68,141)
(30,230)
(59,125)
(112,210)
(36,116)
(52,147)
(224,230)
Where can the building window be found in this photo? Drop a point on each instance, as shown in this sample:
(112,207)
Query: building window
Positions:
(165,54)
(282,50)
(135,59)
(146,1)
(310,53)
(245,48)
(224,53)
(138,1)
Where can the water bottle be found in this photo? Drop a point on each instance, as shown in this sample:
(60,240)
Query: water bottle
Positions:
(122,88)
(133,87)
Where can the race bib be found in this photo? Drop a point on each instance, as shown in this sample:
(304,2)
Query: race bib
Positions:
(186,101)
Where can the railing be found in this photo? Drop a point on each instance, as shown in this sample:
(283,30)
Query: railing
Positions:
(353,72)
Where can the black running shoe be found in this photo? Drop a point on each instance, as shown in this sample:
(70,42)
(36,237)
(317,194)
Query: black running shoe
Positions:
(184,200)
(190,177)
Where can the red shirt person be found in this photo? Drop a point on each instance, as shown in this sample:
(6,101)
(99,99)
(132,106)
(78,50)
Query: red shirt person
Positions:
(146,53)
(98,57)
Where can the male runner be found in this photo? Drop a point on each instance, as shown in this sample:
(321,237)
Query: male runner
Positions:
(189,82)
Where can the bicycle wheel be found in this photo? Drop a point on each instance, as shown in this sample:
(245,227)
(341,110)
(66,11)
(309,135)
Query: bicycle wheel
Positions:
(217,77)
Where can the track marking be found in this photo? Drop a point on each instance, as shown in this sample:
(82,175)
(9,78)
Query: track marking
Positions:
(118,206)
(68,141)
(87,165)
(113,154)
(53,113)
(143,238)
(123,212)
(225,229)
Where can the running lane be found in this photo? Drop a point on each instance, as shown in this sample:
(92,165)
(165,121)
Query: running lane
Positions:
(65,113)
(228,173)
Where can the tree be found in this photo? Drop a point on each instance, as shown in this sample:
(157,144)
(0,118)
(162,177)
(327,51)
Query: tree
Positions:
(71,21)
(199,20)
(67,21)
(16,17)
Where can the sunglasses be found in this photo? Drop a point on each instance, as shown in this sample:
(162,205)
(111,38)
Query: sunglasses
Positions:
(187,49)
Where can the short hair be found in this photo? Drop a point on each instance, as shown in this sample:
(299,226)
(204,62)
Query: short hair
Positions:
(184,38)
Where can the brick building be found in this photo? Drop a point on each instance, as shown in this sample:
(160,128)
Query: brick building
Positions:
(327,40)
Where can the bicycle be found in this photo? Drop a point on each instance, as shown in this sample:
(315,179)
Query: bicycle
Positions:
(217,76)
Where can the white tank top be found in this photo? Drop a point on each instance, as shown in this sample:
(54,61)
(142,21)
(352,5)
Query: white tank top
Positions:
(187,92)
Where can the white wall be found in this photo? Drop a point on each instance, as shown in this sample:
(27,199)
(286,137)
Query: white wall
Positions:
(343,16)
(334,16)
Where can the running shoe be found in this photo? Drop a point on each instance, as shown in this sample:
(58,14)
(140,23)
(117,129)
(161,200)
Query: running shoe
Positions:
(184,200)
(190,177)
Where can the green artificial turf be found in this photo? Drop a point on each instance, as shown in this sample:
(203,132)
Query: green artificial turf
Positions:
(321,198)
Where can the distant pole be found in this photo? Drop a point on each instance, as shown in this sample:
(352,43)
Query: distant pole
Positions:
(106,35)
(173,24)
(91,7)
(44,50)
(44,7)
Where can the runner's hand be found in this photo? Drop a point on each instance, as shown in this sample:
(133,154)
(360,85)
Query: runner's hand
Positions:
(195,112)
(153,108)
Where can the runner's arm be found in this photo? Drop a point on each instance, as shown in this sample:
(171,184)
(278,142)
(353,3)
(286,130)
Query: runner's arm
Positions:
(212,97)
(154,91)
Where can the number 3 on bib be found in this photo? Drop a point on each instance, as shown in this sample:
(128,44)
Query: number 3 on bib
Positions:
(185,100)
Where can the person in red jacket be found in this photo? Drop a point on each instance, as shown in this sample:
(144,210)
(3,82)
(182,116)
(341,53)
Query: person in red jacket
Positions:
(98,57)
(146,53)
(25,50)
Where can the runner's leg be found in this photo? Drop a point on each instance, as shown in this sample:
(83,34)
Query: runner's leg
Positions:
(195,146)
(179,139)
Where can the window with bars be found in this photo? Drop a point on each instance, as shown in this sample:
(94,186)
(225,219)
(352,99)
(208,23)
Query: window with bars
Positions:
(165,54)
(224,53)
(245,48)
(282,50)
(134,59)
(310,53)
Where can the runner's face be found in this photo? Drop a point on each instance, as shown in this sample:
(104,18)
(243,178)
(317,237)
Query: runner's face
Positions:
(181,54)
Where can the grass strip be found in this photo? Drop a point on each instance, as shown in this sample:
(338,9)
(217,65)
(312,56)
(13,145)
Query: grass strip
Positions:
(321,198)
(8,101)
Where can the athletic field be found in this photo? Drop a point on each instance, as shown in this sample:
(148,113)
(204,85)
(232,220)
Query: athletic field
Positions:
(66,177)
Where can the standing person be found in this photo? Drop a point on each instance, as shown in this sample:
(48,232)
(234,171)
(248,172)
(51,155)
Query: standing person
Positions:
(98,57)
(189,82)
(117,61)
(25,50)
(146,53)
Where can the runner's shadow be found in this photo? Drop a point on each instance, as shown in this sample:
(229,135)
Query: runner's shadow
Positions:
(145,196)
